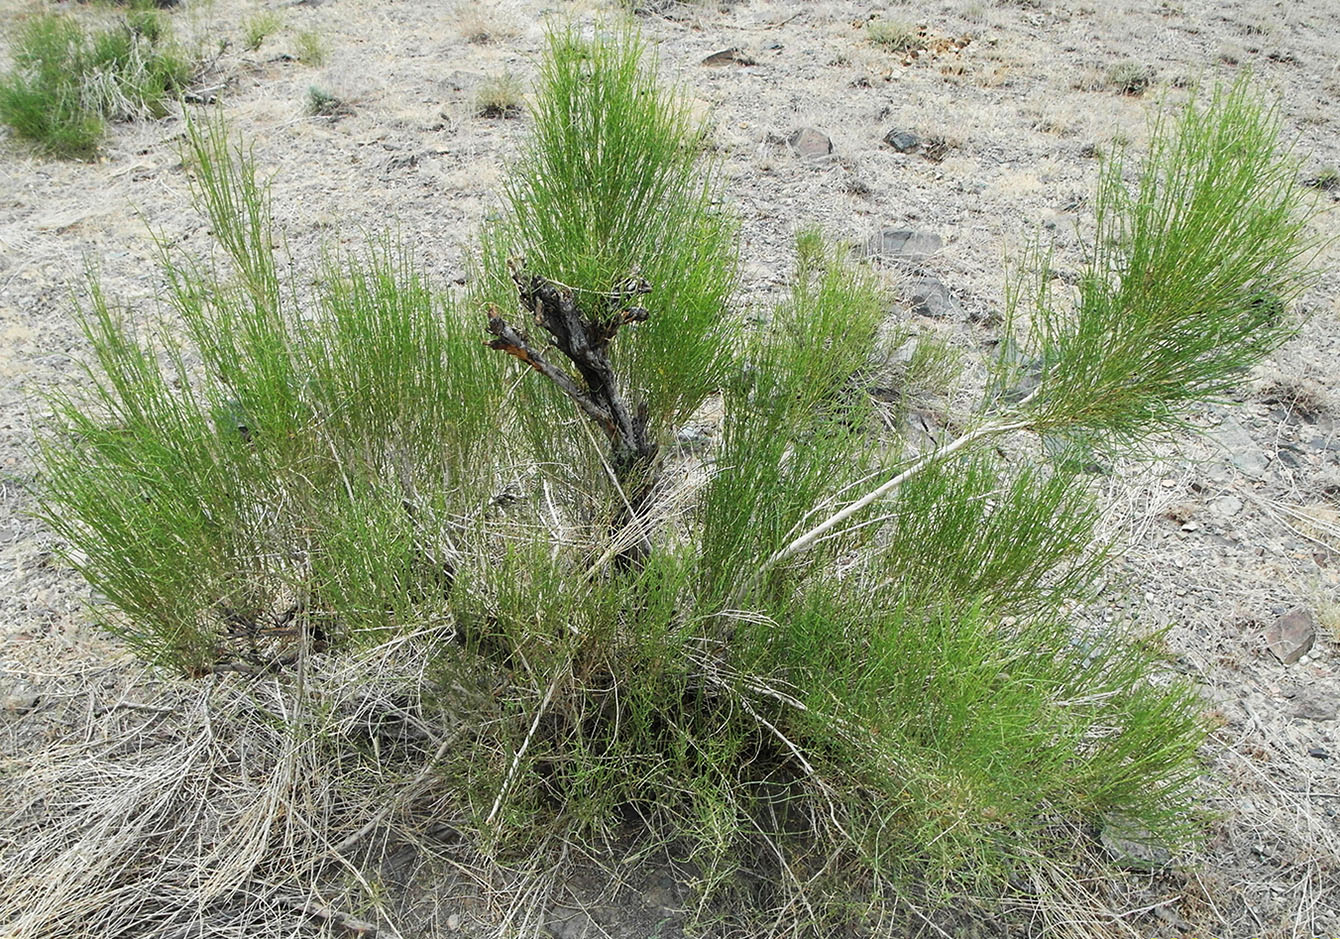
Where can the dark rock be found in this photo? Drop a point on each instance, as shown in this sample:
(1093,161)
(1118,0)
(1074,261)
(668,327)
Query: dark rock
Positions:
(1318,753)
(1132,846)
(903,243)
(929,297)
(1291,636)
(901,140)
(729,57)
(1316,704)
(810,144)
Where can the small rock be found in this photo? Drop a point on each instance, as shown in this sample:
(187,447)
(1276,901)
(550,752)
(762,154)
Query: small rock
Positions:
(810,144)
(19,699)
(1314,704)
(1291,637)
(1226,506)
(1241,450)
(729,57)
(1133,847)
(903,243)
(929,297)
(1318,753)
(454,922)
(901,140)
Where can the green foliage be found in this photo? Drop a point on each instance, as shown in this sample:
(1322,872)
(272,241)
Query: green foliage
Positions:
(1130,78)
(322,103)
(1193,266)
(68,80)
(243,466)
(834,660)
(259,27)
(311,47)
(611,187)
(894,35)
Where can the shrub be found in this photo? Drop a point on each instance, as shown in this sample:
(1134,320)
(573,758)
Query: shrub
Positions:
(894,35)
(67,80)
(499,97)
(815,653)
(1130,78)
(259,27)
(311,47)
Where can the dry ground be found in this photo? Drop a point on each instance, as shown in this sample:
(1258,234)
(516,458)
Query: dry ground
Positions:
(1221,537)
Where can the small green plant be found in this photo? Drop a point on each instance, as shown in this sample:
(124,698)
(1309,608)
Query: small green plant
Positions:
(311,47)
(67,81)
(894,35)
(499,97)
(259,27)
(1130,78)
(322,103)
(818,650)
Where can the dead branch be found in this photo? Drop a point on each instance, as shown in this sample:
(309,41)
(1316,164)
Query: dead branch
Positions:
(582,332)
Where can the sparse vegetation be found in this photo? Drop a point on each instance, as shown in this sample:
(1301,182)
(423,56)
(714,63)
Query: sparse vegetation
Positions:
(322,103)
(311,48)
(68,80)
(1326,179)
(1130,78)
(893,35)
(258,27)
(830,671)
(499,97)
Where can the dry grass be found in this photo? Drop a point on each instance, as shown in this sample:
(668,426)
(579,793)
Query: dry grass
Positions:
(233,807)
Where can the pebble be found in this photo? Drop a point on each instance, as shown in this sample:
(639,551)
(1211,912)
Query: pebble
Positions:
(454,922)
(901,140)
(1314,704)
(810,144)
(1291,636)
(1240,449)
(929,297)
(903,243)
(733,56)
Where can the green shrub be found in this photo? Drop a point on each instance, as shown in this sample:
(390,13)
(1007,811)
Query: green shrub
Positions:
(813,654)
(311,47)
(259,27)
(894,35)
(67,80)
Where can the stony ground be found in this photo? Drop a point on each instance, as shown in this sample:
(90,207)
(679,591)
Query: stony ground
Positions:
(981,139)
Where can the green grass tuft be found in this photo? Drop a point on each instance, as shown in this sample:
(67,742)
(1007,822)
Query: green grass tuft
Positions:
(67,81)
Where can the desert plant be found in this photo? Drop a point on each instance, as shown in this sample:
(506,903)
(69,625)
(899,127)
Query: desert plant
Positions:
(894,35)
(815,651)
(259,27)
(323,103)
(68,80)
(499,97)
(1130,78)
(311,47)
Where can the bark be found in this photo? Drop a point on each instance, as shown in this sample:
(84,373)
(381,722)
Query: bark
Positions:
(581,331)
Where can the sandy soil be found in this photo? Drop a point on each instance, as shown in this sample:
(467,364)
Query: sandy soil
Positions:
(1218,545)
